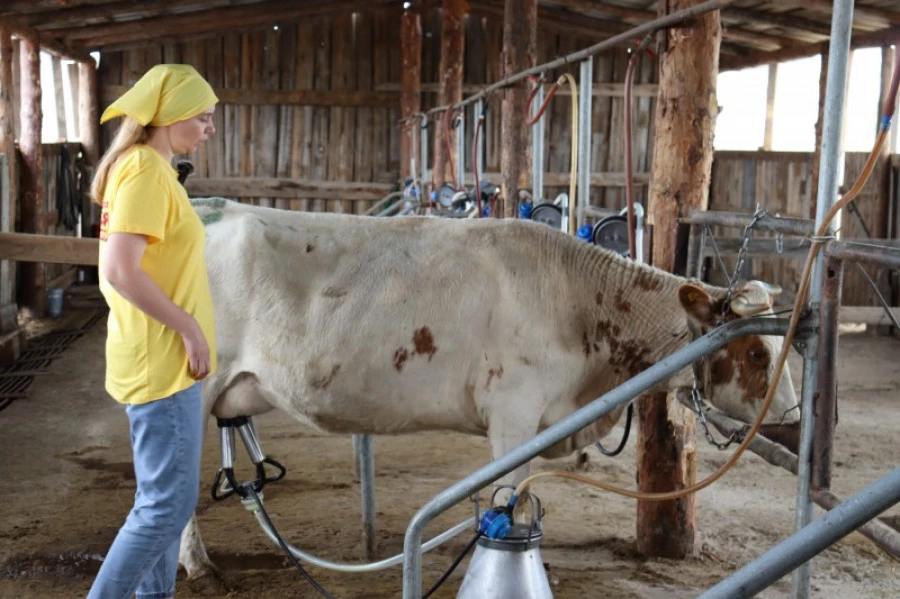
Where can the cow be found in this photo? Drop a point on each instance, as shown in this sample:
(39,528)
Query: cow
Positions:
(493,327)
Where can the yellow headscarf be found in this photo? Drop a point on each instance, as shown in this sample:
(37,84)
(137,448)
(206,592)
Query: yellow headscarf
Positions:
(166,94)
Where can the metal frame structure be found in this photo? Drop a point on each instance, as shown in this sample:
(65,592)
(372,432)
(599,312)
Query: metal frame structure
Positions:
(665,368)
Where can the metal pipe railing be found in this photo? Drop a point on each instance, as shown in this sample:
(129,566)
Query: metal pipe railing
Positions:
(634,387)
(830,160)
(810,540)
(776,224)
(876,252)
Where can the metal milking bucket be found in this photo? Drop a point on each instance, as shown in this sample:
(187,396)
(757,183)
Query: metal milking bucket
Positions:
(510,567)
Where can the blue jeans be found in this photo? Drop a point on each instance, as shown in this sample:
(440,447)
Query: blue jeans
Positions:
(166,439)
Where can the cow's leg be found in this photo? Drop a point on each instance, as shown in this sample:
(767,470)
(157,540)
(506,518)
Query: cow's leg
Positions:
(510,425)
(243,397)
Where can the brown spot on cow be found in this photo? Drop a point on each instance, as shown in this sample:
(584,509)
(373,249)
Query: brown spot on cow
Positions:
(334,292)
(630,356)
(525,360)
(400,357)
(309,247)
(599,298)
(750,359)
(648,281)
(622,304)
(493,372)
(322,383)
(586,343)
(424,343)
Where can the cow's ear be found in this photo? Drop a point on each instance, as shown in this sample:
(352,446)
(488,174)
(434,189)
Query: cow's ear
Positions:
(698,304)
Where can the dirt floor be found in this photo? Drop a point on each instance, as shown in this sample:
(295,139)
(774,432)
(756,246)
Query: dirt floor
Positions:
(68,482)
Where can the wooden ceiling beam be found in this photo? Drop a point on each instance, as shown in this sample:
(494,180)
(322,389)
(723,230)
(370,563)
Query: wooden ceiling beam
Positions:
(47,43)
(584,6)
(575,23)
(76,16)
(882,37)
(780,20)
(826,6)
(221,19)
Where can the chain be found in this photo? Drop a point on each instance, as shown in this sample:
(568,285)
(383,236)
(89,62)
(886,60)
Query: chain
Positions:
(735,437)
(742,255)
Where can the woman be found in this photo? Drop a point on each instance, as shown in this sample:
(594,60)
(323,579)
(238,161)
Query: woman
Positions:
(160,341)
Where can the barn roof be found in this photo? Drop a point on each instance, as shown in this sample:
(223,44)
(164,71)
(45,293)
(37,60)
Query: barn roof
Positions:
(755,32)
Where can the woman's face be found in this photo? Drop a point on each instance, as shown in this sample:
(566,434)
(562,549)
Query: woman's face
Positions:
(187,135)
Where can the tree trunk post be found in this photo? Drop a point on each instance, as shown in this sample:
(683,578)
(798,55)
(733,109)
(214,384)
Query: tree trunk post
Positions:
(411,94)
(682,165)
(519,53)
(31,274)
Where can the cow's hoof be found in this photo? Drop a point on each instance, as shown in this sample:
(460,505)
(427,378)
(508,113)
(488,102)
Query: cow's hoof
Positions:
(208,583)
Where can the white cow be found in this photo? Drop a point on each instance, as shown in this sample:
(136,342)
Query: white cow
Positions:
(491,327)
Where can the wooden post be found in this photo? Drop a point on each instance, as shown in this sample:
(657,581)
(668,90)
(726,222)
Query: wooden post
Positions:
(519,53)
(451,75)
(770,106)
(411,81)
(682,165)
(817,151)
(89,111)
(31,275)
(10,174)
(89,131)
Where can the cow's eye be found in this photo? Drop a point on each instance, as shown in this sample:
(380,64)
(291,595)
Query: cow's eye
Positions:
(759,357)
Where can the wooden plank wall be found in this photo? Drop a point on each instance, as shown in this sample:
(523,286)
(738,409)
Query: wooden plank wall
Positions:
(275,134)
(780,182)
(269,133)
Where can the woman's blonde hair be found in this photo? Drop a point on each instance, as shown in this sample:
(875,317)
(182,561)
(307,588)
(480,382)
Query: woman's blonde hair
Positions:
(130,132)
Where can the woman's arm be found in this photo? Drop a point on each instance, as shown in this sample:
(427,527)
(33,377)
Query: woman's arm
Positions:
(122,268)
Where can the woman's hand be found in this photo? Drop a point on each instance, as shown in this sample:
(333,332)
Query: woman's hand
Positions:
(197,351)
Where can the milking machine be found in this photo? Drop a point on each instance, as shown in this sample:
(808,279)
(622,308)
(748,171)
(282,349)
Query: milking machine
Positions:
(250,493)
(507,561)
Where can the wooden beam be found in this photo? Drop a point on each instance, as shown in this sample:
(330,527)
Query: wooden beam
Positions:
(9,180)
(781,20)
(296,97)
(46,42)
(31,292)
(519,53)
(411,80)
(559,20)
(826,6)
(646,90)
(88,111)
(881,37)
(585,7)
(85,15)
(770,106)
(682,166)
(29,248)
(229,18)
(274,187)
(450,75)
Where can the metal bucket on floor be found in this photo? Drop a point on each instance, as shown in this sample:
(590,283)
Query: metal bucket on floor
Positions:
(509,568)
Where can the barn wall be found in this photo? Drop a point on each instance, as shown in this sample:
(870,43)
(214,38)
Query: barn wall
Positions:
(780,182)
(276,138)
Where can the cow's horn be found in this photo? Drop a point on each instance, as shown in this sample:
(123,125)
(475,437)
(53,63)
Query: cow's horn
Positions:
(742,307)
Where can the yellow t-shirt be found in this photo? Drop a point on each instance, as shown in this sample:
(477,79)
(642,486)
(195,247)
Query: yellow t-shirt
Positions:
(145,360)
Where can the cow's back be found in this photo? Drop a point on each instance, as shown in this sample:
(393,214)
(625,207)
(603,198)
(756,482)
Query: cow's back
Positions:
(382,325)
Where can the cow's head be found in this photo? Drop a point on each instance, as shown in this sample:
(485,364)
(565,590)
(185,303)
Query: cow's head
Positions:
(737,376)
